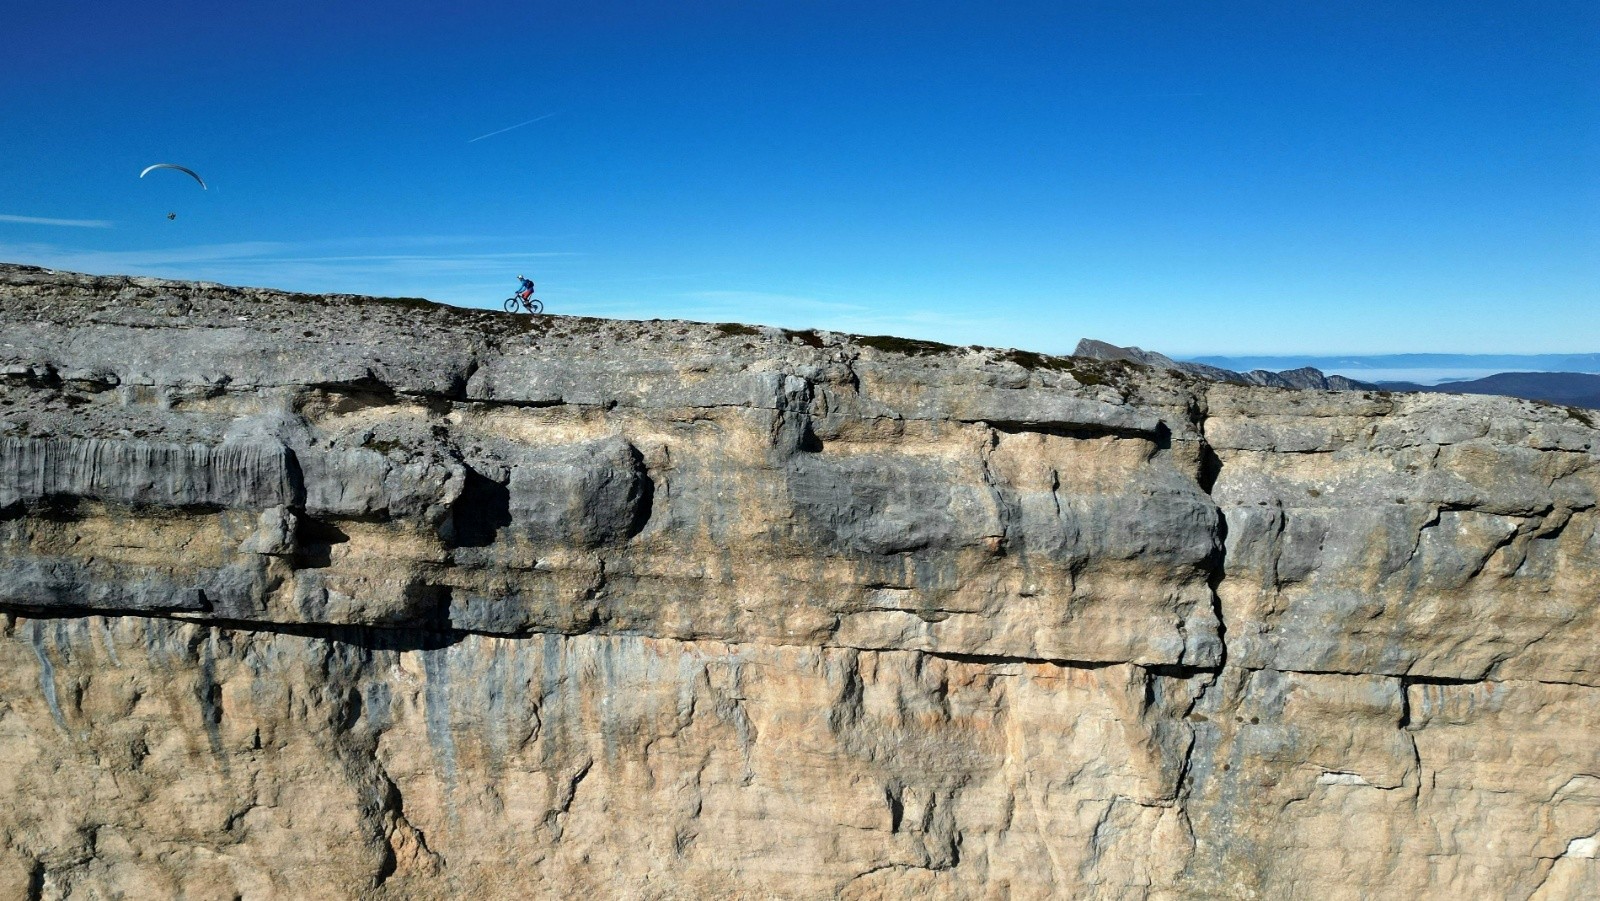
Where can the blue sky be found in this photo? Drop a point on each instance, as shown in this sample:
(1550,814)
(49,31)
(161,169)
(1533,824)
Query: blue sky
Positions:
(1335,177)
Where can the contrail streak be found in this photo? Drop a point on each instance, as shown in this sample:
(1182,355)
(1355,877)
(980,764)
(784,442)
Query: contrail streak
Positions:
(518,125)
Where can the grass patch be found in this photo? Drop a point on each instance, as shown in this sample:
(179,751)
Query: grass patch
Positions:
(1032,361)
(809,337)
(415,304)
(1581,415)
(525,323)
(736,328)
(1087,376)
(907,346)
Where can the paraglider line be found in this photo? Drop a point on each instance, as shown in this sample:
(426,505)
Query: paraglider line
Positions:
(504,130)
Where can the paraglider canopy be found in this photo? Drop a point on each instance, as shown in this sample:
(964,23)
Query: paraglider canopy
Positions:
(189,172)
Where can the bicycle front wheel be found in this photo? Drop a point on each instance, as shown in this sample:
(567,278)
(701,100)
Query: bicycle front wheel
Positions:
(536,306)
(512,304)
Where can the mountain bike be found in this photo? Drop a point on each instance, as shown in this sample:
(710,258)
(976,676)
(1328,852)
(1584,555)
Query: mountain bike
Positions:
(515,304)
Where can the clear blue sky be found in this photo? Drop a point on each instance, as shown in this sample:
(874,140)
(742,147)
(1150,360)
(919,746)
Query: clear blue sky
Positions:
(1338,177)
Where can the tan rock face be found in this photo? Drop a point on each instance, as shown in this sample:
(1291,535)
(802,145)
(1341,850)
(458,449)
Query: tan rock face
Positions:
(1434,537)
(301,605)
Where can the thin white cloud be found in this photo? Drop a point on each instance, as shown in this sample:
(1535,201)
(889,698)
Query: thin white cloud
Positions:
(262,253)
(800,311)
(429,259)
(518,125)
(70,223)
(483,276)
(128,261)
(339,266)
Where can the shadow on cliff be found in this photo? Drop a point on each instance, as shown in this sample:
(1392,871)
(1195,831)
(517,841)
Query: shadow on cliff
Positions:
(483,509)
(421,637)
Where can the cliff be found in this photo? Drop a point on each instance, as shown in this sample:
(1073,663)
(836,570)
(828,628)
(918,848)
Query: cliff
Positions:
(341,597)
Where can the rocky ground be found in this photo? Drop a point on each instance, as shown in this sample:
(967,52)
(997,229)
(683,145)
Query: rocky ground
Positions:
(309,596)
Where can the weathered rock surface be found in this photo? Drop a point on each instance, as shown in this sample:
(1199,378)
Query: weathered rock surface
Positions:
(339,597)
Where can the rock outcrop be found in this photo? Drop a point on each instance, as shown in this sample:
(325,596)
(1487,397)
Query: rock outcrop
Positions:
(312,596)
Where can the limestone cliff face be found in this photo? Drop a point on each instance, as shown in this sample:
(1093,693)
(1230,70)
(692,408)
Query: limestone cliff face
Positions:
(333,597)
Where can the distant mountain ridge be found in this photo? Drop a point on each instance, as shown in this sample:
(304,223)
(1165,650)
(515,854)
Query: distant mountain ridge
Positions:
(1578,362)
(1301,377)
(1568,388)
(1573,389)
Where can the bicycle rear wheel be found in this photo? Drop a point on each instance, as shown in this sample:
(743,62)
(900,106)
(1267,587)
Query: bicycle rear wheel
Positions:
(512,304)
(536,306)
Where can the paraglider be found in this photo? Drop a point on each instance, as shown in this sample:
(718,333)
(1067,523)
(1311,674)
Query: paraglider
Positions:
(172,216)
(189,172)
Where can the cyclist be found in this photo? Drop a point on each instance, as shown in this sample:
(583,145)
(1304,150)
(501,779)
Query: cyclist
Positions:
(527,289)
